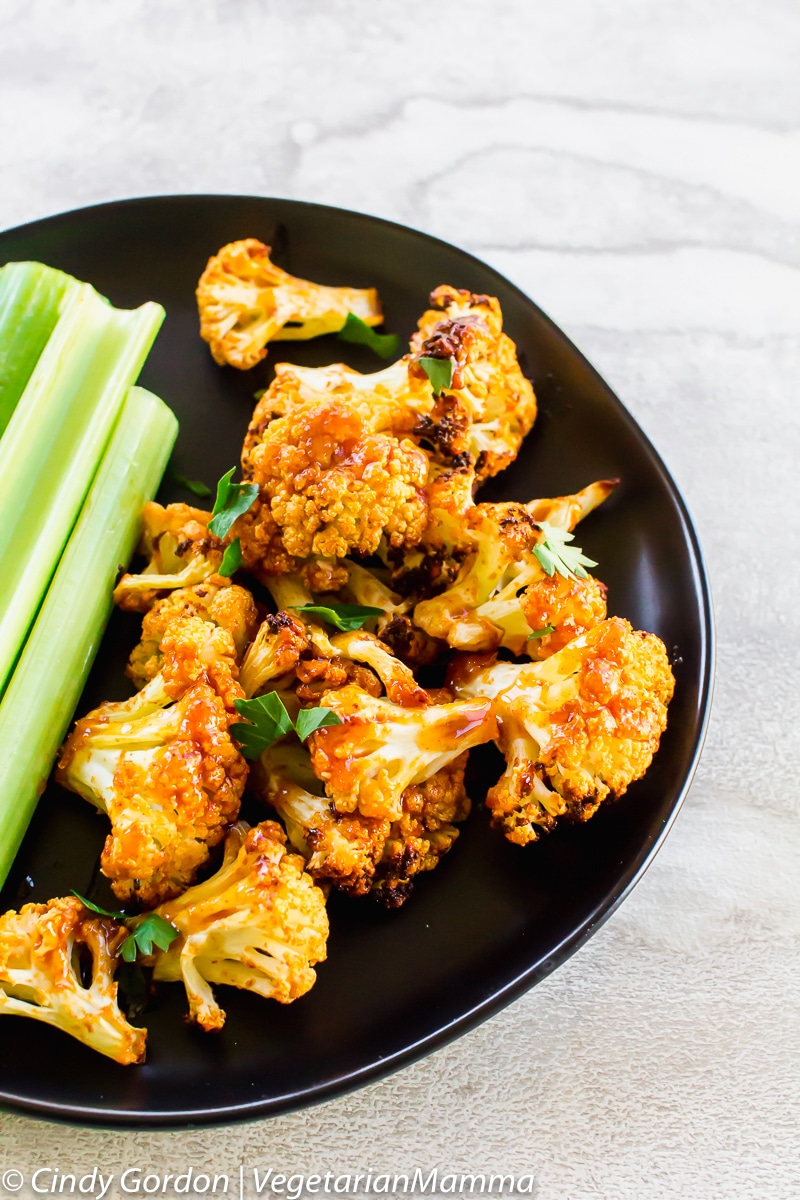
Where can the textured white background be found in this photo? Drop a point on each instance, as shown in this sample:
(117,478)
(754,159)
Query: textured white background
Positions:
(636,168)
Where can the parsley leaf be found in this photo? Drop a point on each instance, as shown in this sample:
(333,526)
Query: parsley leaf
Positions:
(151,931)
(231,559)
(439,371)
(103,912)
(195,486)
(555,554)
(360,333)
(269,721)
(232,500)
(343,616)
(538,633)
(310,719)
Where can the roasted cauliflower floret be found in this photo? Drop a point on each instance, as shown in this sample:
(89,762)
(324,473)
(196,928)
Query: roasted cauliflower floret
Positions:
(162,765)
(333,487)
(500,400)
(259,923)
(389,401)
(380,749)
(580,726)
(352,463)
(246,301)
(276,650)
(425,832)
(399,683)
(57,964)
(364,855)
(342,849)
(180,552)
(394,627)
(501,582)
(226,605)
(565,606)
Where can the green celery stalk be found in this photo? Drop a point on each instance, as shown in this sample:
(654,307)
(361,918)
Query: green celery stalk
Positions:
(46,685)
(53,444)
(32,297)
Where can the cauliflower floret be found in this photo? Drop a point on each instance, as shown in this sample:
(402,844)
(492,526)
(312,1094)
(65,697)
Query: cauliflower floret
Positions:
(389,401)
(163,766)
(500,586)
(57,964)
(580,726)
(332,486)
(342,849)
(276,650)
(246,301)
(425,832)
(180,551)
(400,684)
(357,463)
(500,400)
(380,749)
(364,855)
(259,923)
(226,605)
(568,607)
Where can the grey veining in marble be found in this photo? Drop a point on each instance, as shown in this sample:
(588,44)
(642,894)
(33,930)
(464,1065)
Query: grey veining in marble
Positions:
(636,168)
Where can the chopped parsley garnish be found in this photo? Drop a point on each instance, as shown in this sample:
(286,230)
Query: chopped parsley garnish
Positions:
(150,930)
(555,554)
(231,559)
(439,371)
(232,500)
(344,616)
(354,330)
(309,719)
(543,632)
(117,915)
(270,721)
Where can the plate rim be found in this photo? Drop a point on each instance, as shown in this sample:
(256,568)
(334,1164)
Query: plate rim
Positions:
(348,1082)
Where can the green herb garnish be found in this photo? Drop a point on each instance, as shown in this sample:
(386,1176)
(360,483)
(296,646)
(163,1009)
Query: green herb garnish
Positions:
(310,719)
(231,559)
(439,371)
(268,719)
(344,616)
(359,333)
(554,554)
(232,500)
(118,915)
(539,633)
(151,930)
(271,721)
(195,486)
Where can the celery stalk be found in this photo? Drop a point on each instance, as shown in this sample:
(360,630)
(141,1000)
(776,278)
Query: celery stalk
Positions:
(53,443)
(48,680)
(32,298)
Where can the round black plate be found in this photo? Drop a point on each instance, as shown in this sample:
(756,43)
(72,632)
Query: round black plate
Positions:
(493,919)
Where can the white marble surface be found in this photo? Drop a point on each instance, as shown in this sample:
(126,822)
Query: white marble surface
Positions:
(635,167)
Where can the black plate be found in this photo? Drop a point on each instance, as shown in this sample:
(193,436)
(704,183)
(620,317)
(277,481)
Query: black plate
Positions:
(493,919)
